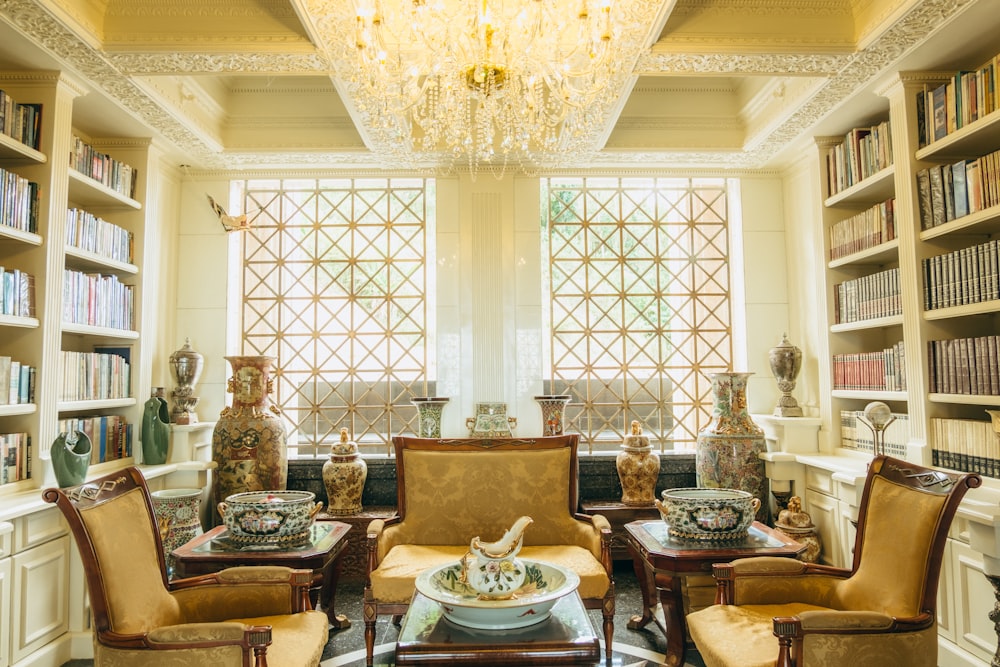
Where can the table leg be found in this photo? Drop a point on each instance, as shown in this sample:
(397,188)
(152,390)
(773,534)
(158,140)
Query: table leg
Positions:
(328,594)
(637,622)
(672,604)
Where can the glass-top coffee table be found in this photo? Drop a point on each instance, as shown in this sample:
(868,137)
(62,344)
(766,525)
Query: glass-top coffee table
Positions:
(661,562)
(567,637)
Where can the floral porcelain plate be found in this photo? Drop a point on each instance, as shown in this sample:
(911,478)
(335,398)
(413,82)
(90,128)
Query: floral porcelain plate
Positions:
(544,583)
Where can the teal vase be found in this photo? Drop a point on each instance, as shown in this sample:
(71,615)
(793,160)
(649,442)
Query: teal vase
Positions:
(71,453)
(155,430)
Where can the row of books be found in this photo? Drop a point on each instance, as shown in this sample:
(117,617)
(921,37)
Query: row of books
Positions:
(964,98)
(948,192)
(98,300)
(857,434)
(961,277)
(867,297)
(88,232)
(864,152)
(20,121)
(965,366)
(884,370)
(101,167)
(15,457)
(968,445)
(89,376)
(17,293)
(18,202)
(17,382)
(110,435)
(862,231)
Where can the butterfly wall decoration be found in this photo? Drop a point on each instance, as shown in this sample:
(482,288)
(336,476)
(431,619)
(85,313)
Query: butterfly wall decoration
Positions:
(231,223)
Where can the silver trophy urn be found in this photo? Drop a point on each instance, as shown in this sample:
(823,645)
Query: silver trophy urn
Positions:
(185,366)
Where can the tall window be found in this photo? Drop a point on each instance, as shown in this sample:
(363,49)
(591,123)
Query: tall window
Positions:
(638,303)
(337,278)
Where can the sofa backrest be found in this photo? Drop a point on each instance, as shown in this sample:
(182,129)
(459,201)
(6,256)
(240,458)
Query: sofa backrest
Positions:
(451,491)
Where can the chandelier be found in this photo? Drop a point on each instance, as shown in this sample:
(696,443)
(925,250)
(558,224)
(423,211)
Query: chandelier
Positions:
(484,82)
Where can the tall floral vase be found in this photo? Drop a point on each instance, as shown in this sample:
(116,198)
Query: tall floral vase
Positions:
(553,412)
(728,449)
(155,429)
(429,409)
(178,515)
(250,439)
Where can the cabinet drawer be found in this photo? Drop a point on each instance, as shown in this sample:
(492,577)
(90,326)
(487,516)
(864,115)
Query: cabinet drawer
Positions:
(37,528)
(820,480)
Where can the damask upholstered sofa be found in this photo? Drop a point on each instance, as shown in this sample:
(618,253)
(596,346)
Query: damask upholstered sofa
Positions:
(450,491)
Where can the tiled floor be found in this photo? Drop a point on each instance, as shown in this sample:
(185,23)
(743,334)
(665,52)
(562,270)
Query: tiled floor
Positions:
(643,648)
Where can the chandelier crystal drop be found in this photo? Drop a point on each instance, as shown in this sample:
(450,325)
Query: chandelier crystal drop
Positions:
(485,83)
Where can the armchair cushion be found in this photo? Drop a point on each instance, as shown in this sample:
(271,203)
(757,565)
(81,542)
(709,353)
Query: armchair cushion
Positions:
(741,635)
(393,581)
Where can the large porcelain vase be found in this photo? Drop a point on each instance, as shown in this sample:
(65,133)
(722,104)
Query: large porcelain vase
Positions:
(178,514)
(249,440)
(728,448)
(344,475)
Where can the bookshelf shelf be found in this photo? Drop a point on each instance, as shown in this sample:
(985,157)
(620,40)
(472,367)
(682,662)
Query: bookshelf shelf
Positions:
(85,191)
(861,325)
(12,410)
(870,395)
(968,310)
(878,186)
(11,234)
(103,404)
(103,332)
(12,149)
(17,321)
(881,254)
(965,399)
(980,136)
(90,261)
(986,221)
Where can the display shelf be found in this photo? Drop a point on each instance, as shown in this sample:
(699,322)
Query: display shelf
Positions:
(18,321)
(965,399)
(881,254)
(877,187)
(986,221)
(91,261)
(103,332)
(99,404)
(12,409)
(85,191)
(967,310)
(980,136)
(860,325)
(12,234)
(13,150)
(870,395)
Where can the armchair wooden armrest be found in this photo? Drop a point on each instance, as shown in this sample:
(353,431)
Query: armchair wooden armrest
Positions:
(849,627)
(756,580)
(255,590)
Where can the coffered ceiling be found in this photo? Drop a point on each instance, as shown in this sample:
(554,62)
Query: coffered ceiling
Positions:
(234,84)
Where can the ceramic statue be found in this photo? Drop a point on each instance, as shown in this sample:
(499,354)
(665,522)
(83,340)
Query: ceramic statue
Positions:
(496,572)
(155,429)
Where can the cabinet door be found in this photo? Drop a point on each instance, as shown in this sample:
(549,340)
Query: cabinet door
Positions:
(6,613)
(40,588)
(825,513)
(974,600)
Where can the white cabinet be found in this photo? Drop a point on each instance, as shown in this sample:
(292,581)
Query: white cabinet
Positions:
(972,602)
(34,585)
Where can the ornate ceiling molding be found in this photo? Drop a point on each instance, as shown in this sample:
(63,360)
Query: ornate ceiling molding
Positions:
(657,62)
(219,63)
(806,8)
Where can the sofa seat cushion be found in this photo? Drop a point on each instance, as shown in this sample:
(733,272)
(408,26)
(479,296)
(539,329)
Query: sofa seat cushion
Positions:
(393,581)
(740,635)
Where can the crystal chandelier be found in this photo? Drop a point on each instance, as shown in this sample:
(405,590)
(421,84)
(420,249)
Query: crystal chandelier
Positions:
(485,82)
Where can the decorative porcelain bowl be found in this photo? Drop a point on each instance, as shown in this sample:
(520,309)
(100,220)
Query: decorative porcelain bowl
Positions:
(708,514)
(269,517)
(544,584)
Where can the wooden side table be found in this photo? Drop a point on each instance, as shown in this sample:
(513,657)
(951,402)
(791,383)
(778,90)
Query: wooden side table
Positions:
(355,558)
(618,514)
(211,552)
(662,562)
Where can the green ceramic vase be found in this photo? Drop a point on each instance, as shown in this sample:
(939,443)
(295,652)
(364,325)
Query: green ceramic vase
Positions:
(155,430)
(71,453)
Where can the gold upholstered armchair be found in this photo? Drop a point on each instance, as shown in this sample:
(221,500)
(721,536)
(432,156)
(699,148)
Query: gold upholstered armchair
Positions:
(881,612)
(238,617)
(450,491)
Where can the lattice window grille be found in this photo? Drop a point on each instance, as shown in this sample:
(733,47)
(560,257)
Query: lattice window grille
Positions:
(336,278)
(638,304)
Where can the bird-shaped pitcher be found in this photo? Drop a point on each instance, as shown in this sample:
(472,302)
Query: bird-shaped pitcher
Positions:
(495,572)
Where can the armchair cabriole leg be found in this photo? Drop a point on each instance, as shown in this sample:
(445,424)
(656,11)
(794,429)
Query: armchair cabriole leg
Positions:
(370,612)
(609,622)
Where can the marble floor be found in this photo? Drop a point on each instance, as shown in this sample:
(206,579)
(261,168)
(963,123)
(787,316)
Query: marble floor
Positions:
(632,648)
